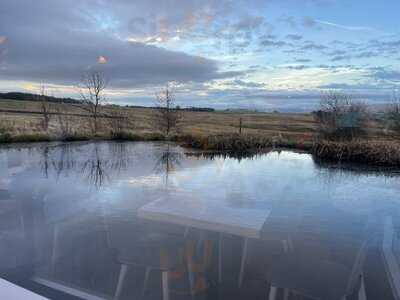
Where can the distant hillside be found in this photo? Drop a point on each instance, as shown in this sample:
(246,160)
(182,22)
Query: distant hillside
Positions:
(35,97)
(190,108)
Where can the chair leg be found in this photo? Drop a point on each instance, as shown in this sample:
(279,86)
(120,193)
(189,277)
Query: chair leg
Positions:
(121,279)
(165,286)
(220,258)
(361,292)
(286,293)
(243,261)
(146,279)
(55,247)
(191,277)
(272,293)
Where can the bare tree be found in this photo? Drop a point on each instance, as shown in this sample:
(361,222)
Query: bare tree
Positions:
(92,88)
(44,107)
(169,116)
(341,117)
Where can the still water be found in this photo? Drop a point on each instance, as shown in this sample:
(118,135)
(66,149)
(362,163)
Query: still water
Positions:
(148,221)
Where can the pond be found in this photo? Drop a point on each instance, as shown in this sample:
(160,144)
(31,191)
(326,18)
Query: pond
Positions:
(132,220)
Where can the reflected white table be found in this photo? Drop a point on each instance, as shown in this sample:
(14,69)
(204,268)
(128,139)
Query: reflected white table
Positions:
(207,215)
(11,291)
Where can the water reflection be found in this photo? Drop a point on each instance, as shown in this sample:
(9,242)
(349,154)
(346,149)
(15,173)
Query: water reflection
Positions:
(238,156)
(101,162)
(97,165)
(350,169)
(168,160)
(271,227)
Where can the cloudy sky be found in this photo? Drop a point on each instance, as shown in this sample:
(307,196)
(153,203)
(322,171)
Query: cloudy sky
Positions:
(258,54)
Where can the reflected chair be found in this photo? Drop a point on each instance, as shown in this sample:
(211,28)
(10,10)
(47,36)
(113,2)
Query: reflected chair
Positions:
(310,270)
(154,249)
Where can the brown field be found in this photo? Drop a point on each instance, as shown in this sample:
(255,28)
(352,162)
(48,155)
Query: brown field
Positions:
(23,118)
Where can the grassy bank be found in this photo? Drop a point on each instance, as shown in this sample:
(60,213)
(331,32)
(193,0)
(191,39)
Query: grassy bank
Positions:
(377,153)
(215,132)
(240,143)
(6,138)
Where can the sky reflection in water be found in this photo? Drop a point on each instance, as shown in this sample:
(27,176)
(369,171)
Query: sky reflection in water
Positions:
(144,220)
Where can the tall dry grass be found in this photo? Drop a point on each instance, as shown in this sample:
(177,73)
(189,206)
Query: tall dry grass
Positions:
(380,153)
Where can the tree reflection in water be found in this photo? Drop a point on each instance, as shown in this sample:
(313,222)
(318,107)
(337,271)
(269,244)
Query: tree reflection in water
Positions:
(97,165)
(167,161)
(95,169)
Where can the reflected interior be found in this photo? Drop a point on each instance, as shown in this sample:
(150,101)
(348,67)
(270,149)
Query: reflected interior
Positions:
(129,220)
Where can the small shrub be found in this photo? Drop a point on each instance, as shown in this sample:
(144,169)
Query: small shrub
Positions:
(340,117)
(393,114)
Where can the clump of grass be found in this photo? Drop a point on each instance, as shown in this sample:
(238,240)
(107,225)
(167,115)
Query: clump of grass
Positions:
(241,143)
(374,153)
(229,142)
(5,137)
(24,138)
(292,143)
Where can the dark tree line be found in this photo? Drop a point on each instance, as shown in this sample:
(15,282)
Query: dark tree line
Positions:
(35,97)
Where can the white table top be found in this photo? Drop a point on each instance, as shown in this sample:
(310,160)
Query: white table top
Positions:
(206,215)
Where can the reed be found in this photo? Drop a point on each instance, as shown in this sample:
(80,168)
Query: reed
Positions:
(238,143)
(379,153)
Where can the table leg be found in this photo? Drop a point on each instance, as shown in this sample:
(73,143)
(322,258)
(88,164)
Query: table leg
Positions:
(121,279)
(220,258)
(243,261)
(272,292)
(191,277)
(165,285)
(146,279)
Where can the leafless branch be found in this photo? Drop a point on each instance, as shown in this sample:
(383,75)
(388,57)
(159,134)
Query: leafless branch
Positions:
(340,116)
(92,88)
(168,114)
(44,107)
